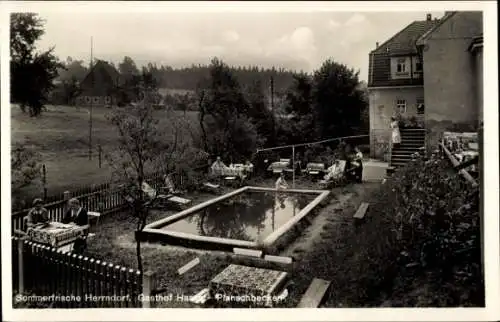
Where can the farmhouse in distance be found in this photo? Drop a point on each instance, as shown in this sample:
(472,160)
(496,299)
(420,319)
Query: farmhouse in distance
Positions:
(98,88)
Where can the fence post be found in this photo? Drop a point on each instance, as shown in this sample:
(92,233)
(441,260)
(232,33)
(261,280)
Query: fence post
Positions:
(20,250)
(44,181)
(148,280)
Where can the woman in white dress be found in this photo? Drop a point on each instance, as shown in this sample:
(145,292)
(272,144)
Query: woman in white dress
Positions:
(396,135)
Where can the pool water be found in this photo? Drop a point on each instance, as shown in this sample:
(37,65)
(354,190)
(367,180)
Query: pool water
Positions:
(249,216)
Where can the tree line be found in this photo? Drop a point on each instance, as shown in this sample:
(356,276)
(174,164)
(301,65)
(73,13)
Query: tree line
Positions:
(185,78)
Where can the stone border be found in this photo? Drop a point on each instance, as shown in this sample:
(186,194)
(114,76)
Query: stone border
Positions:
(153,231)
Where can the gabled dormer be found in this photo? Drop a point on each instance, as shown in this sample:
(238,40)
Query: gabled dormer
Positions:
(397,62)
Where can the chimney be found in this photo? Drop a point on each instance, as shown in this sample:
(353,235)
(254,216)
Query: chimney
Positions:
(376,44)
(429,17)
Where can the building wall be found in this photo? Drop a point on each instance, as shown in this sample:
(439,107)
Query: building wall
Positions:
(449,76)
(87,100)
(382,108)
(479,81)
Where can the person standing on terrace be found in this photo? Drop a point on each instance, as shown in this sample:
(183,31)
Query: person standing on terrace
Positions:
(38,215)
(396,135)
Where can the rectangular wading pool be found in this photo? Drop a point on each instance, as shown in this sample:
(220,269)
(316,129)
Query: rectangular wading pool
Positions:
(250,217)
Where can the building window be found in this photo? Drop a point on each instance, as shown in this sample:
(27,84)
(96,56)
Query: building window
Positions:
(88,99)
(420,106)
(95,100)
(401,106)
(401,66)
(108,99)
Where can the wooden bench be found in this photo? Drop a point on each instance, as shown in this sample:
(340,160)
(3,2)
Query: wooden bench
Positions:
(360,213)
(315,293)
(188,266)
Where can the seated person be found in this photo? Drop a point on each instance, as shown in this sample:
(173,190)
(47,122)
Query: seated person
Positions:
(248,167)
(218,167)
(38,215)
(281,183)
(169,187)
(78,215)
(335,171)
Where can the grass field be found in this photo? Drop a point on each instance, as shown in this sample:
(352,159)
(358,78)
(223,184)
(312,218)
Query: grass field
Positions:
(61,136)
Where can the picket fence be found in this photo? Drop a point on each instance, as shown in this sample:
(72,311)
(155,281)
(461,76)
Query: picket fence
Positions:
(102,198)
(84,282)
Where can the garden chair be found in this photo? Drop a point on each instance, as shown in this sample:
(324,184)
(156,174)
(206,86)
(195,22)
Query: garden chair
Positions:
(96,216)
(315,169)
(170,189)
(335,176)
(164,199)
(211,187)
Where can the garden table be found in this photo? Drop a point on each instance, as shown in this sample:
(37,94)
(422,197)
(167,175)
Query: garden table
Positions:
(57,234)
(244,284)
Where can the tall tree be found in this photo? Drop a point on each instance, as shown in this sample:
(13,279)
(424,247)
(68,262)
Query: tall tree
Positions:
(259,113)
(337,99)
(138,150)
(299,106)
(32,72)
(73,69)
(224,111)
(25,170)
(71,89)
(128,68)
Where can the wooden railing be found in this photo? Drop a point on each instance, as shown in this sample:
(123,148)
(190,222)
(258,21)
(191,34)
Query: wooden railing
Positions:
(455,163)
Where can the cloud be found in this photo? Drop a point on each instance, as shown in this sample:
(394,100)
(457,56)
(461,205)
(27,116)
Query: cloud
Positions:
(231,36)
(355,19)
(333,24)
(297,46)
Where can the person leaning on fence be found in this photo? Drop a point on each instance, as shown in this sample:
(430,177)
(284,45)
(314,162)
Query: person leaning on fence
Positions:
(38,215)
(79,216)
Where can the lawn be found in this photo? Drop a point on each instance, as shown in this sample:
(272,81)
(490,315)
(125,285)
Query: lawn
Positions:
(115,243)
(61,136)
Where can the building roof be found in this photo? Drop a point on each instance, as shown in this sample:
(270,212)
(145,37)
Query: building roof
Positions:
(404,42)
(103,65)
(441,21)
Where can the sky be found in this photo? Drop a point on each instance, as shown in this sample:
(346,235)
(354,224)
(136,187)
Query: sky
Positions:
(292,40)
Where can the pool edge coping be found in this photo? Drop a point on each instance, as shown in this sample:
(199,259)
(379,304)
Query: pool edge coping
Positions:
(154,227)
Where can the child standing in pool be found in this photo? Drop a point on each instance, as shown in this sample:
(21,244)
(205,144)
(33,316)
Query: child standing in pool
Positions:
(281,183)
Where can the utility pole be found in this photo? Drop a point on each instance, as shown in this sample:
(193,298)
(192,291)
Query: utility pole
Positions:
(272,109)
(91,100)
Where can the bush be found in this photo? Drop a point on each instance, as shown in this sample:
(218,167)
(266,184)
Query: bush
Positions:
(418,246)
(436,223)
